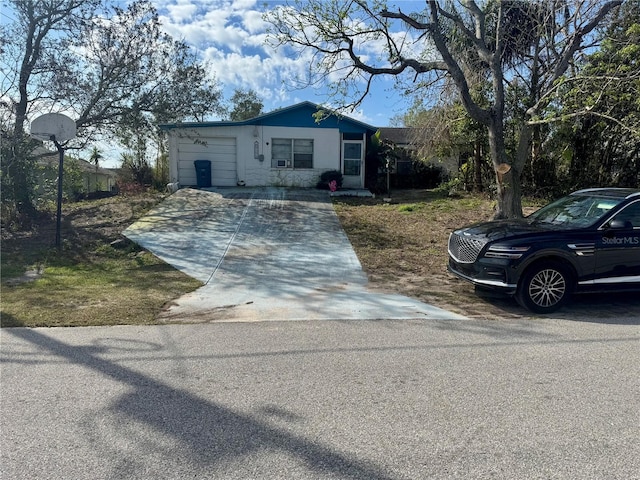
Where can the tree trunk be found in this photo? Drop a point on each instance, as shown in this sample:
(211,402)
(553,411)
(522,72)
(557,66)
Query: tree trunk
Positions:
(18,170)
(509,189)
(477,184)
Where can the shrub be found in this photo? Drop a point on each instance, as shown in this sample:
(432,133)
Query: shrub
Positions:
(422,175)
(130,189)
(329,176)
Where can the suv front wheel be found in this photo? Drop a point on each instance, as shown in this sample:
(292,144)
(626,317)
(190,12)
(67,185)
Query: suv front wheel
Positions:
(545,287)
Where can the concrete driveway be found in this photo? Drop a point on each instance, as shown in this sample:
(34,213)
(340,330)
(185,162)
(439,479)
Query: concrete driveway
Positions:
(265,254)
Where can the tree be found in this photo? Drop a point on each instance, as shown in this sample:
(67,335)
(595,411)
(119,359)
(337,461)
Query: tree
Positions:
(148,78)
(95,157)
(30,58)
(501,47)
(111,68)
(246,104)
(599,112)
(447,131)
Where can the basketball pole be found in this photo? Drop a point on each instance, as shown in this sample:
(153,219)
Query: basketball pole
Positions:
(59,209)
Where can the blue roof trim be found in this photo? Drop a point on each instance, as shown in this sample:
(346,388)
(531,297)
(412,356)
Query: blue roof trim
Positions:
(298,115)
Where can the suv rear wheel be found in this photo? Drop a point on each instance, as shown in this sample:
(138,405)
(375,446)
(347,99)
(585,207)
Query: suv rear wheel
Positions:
(545,287)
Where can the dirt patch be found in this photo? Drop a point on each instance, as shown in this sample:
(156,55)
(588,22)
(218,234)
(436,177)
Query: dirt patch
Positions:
(28,276)
(85,225)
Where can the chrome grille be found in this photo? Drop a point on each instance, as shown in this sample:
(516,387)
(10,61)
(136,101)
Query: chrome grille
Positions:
(464,249)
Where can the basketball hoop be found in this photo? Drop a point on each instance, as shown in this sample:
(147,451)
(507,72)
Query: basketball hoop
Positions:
(56,128)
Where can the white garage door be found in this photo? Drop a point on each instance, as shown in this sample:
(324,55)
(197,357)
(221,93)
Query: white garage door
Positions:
(220,151)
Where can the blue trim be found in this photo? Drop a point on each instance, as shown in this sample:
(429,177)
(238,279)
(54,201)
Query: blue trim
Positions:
(299,115)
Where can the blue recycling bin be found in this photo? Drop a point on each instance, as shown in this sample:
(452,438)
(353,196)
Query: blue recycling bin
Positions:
(203,173)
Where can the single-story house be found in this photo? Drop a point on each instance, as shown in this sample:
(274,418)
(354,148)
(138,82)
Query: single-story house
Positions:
(403,137)
(413,142)
(95,178)
(89,177)
(286,147)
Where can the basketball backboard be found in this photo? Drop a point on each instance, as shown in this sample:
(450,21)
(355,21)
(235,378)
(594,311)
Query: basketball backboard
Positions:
(55,125)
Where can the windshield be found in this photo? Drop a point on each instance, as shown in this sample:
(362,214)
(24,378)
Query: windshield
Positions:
(574,211)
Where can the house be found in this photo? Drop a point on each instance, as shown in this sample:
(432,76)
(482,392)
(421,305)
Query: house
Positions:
(95,178)
(415,142)
(82,177)
(403,139)
(286,147)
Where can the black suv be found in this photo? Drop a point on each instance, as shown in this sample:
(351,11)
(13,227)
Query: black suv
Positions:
(588,241)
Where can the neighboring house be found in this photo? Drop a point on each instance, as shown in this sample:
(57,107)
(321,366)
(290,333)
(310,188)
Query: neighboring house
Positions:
(92,178)
(286,147)
(399,136)
(402,138)
(408,139)
(96,179)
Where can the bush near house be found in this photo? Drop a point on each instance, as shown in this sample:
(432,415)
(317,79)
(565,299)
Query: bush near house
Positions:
(418,174)
(330,176)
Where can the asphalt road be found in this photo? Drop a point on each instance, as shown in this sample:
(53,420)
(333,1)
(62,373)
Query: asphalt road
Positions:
(388,399)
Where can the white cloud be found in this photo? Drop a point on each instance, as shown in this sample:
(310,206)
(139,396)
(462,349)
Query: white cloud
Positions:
(254,23)
(231,38)
(182,11)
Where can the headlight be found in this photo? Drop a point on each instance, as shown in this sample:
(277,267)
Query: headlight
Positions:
(505,251)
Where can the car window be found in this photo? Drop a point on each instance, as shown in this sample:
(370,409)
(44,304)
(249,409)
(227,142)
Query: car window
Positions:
(574,211)
(631,214)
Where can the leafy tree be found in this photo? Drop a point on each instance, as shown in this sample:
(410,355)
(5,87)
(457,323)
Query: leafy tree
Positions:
(108,67)
(246,104)
(599,110)
(136,169)
(32,53)
(364,40)
(447,131)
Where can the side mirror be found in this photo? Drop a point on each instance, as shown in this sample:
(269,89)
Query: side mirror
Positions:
(616,224)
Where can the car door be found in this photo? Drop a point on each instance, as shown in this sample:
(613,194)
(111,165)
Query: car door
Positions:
(618,249)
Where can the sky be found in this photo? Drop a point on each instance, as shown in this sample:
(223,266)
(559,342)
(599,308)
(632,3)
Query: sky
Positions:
(230,36)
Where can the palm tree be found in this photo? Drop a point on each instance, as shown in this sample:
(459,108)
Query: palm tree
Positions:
(95,157)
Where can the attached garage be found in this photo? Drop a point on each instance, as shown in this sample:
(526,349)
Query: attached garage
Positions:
(220,151)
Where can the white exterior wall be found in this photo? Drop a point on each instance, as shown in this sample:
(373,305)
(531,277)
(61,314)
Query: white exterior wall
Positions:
(326,156)
(252,171)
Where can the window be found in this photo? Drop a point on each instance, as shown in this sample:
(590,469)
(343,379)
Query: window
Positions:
(291,153)
(303,154)
(280,153)
(630,214)
(352,154)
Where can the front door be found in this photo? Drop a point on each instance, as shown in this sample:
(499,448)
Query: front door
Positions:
(353,163)
(618,249)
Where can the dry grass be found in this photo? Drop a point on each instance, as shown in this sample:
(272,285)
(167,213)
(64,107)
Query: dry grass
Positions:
(402,245)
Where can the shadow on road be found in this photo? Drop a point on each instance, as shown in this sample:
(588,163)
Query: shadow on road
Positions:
(607,308)
(209,433)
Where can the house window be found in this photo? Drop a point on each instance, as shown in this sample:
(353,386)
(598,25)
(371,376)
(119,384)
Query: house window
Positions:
(291,153)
